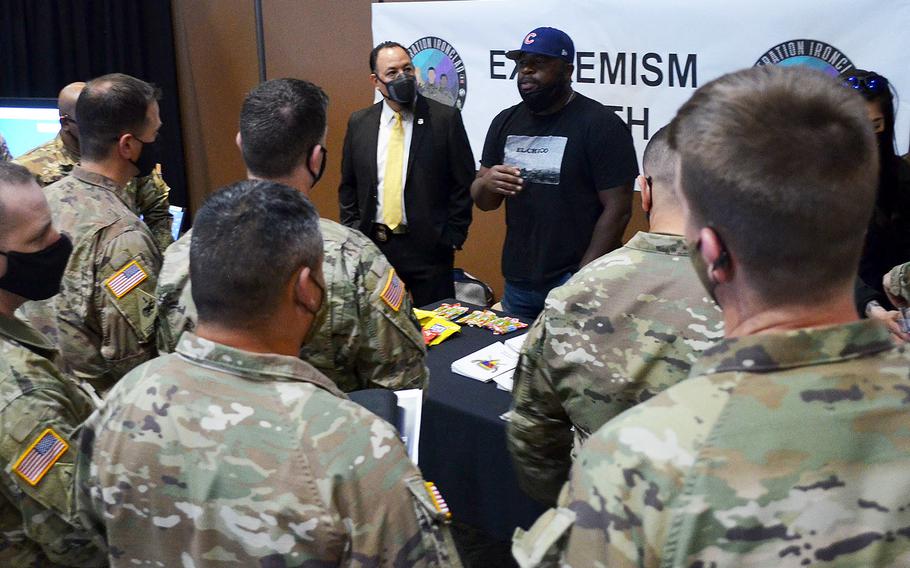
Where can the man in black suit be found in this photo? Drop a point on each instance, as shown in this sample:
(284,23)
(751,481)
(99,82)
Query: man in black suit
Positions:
(405,177)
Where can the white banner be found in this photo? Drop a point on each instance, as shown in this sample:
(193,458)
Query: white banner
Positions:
(643,59)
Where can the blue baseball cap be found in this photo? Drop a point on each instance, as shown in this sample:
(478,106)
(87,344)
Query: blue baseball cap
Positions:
(546,41)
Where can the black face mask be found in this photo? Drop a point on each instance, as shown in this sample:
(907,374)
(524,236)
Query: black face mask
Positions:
(317,175)
(37,275)
(542,99)
(148,159)
(402,89)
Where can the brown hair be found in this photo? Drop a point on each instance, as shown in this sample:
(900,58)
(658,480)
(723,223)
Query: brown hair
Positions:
(782,162)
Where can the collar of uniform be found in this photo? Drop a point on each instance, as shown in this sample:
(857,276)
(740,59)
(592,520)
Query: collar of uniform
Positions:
(21,332)
(797,348)
(388,114)
(659,242)
(99,180)
(254,366)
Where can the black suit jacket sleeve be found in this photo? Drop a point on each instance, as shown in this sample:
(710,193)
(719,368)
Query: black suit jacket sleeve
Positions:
(461,164)
(347,190)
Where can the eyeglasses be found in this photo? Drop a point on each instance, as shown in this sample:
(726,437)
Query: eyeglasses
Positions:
(870,83)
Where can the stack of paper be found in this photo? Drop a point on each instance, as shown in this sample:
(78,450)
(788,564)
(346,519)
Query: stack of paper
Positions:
(487,363)
(516,343)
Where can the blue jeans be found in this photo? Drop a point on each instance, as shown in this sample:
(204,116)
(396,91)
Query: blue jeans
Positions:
(525,302)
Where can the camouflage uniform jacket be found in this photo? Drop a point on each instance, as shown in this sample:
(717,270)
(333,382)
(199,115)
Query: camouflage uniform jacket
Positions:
(361,342)
(785,449)
(216,455)
(146,196)
(38,523)
(899,281)
(101,336)
(625,327)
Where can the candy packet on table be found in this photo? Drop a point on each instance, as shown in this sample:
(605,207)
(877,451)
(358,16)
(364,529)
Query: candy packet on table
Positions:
(423,316)
(437,330)
(504,325)
(478,318)
(450,311)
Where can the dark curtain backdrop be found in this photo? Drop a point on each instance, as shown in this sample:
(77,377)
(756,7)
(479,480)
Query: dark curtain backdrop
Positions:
(46,44)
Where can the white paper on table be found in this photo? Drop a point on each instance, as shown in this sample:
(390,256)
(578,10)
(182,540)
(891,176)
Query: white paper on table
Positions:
(505,380)
(516,343)
(410,408)
(484,364)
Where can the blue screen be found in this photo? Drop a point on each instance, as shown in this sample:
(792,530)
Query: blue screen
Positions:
(26,124)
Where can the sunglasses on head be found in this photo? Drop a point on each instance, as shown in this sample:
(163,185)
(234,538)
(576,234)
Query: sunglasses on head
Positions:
(870,83)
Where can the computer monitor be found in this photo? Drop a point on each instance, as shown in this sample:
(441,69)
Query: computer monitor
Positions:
(27,123)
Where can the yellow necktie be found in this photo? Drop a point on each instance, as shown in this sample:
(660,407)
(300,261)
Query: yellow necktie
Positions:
(391,183)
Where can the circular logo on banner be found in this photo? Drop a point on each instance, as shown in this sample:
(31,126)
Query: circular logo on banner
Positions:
(809,53)
(440,71)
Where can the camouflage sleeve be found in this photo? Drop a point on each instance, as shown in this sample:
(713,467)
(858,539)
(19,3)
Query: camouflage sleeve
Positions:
(126,271)
(899,281)
(176,310)
(539,434)
(390,515)
(152,203)
(392,353)
(47,507)
(626,484)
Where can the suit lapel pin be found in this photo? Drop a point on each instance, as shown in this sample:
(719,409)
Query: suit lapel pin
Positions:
(419,121)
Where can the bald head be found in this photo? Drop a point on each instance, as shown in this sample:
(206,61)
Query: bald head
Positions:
(66,100)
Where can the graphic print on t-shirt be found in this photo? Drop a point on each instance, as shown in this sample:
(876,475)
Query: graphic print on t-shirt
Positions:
(538,157)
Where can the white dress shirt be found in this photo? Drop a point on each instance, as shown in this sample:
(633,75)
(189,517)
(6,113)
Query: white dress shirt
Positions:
(386,121)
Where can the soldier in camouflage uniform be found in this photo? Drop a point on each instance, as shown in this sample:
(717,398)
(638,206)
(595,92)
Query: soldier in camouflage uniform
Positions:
(625,327)
(40,408)
(790,443)
(367,335)
(146,195)
(104,318)
(233,450)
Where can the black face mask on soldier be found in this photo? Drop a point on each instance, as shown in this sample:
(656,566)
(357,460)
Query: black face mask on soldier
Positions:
(402,89)
(36,275)
(148,158)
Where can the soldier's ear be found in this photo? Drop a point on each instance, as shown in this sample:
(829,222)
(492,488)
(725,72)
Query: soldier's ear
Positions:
(645,193)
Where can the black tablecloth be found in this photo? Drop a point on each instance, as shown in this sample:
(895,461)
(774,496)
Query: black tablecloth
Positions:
(463,441)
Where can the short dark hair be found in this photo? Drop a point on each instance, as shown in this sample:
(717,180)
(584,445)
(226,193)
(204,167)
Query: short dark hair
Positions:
(12,175)
(109,107)
(659,160)
(280,122)
(782,162)
(384,45)
(249,238)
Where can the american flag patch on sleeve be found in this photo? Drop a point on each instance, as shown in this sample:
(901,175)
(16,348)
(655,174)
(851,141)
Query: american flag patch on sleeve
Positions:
(126,279)
(40,456)
(394,291)
(437,499)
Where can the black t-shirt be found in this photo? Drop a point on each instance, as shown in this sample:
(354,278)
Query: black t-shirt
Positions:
(565,159)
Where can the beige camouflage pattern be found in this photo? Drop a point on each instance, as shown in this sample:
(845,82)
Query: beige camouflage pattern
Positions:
(38,524)
(101,337)
(783,450)
(360,343)
(215,456)
(147,196)
(899,281)
(624,328)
